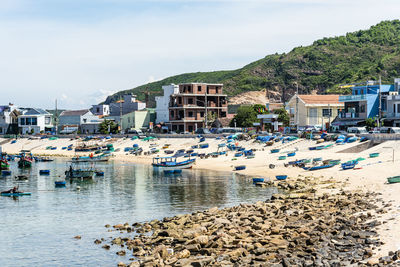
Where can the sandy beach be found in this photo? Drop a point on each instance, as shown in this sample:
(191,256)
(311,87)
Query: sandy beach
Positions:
(370,178)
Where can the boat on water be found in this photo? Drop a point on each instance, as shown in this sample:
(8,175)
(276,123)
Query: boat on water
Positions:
(25,161)
(79,170)
(91,158)
(4,165)
(172,163)
(393,179)
(44,172)
(60,183)
(43,159)
(15,194)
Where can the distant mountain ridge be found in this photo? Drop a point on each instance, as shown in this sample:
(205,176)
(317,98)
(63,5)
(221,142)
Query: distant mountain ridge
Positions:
(320,67)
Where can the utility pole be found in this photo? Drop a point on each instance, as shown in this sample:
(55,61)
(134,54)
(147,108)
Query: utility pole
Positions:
(380,103)
(297,106)
(330,113)
(205,105)
(56,118)
(120,115)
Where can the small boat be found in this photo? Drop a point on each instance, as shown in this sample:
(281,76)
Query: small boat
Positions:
(315,168)
(195,146)
(240,167)
(21,177)
(258,180)
(202,139)
(281,177)
(16,194)
(239,154)
(335,162)
(393,179)
(5,172)
(348,166)
(222,145)
(276,150)
(282,158)
(25,162)
(4,165)
(374,155)
(351,139)
(44,172)
(77,170)
(291,154)
(317,159)
(99,173)
(60,183)
(205,145)
(171,163)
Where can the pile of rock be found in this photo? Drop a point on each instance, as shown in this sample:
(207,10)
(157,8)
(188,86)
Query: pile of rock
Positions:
(288,230)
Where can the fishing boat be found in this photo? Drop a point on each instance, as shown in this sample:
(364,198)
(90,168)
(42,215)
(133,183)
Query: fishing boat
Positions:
(44,172)
(276,150)
(393,179)
(281,177)
(172,163)
(282,158)
(374,155)
(348,166)
(239,154)
(4,165)
(78,170)
(5,172)
(99,173)
(258,180)
(320,167)
(91,158)
(291,154)
(25,162)
(240,167)
(205,145)
(21,177)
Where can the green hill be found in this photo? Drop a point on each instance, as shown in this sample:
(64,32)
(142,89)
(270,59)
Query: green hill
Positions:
(322,66)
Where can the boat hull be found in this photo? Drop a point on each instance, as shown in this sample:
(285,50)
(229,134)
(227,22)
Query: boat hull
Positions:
(171,167)
(16,194)
(394,179)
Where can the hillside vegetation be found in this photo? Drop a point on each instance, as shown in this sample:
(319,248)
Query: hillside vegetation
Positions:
(322,66)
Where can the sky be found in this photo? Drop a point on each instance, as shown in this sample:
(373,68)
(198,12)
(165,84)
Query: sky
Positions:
(81,51)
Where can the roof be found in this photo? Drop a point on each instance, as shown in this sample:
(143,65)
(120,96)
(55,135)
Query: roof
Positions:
(320,99)
(36,111)
(74,112)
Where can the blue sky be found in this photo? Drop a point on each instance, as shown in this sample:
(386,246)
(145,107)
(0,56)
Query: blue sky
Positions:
(80,51)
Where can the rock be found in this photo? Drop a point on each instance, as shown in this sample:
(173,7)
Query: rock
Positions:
(107,226)
(106,247)
(97,241)
(183,254)
(121,253)
(121,264)
(77,237)
(202,261)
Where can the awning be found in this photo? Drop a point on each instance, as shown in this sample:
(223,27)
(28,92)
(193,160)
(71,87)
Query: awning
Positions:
(345,123)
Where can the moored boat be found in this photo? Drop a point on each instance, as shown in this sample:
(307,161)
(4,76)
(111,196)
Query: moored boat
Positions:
(25,162)
(258,180)
(240,167)
(15,194)
(172,163)
(44,172)
(60,183)
(77,170)
(276,150)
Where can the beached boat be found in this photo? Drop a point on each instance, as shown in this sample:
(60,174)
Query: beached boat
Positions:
(205,145)
(240,167)
(281,177)
(315,168)
(276,150)
(291,154)
(282,158)
(172,163)
(258,180)
(348,166)
(393,179)
(239,154)
(374,155)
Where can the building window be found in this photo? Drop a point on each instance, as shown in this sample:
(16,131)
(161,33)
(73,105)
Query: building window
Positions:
(202,114)
(190,100)
(394,108)
(326,112)
(98,110)
(199,88)
(398,108)
(179,100)
(22,121)
(190,114)
(28,121)
(47,120)
(129,120)
(216,89)
(84,120)
(362,108)
(34,121)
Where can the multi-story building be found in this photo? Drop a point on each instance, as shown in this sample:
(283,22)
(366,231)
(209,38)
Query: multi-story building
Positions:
(128,104)
(138,120)
(313,110)
(100,110)
(35,120)
(9,119)
(71,120)
(162,103)
(195,105)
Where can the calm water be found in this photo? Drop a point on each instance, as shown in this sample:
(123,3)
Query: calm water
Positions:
(38,230)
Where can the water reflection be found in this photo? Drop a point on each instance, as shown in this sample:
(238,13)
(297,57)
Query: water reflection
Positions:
(39,229)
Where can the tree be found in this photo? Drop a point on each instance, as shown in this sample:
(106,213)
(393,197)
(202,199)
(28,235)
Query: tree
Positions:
(245,117)
(283,116)
(108,126)
(260,109)
(370,123)
(211,117)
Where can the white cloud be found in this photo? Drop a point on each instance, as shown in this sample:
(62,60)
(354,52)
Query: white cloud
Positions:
(46,58)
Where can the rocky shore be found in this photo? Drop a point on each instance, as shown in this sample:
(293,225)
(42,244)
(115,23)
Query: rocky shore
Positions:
(288,230)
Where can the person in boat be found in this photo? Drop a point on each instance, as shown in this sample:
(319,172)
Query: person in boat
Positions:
(13,190)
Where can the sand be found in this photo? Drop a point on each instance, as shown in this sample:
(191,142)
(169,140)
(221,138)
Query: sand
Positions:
(372,176)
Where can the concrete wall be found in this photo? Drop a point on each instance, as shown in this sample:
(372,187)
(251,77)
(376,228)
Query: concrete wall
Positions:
(162,103)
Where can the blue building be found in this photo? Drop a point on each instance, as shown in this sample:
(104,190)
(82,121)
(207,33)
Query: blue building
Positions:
(363,103)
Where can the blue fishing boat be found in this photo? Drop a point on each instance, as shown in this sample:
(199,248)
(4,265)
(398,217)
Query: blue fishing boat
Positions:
(317,159)
(291,154)
(44,172)
(315,168)
(16,194)
(60,183)
(99,173)
(275,150)
(222,145)
(240,167)
(195,146)
(202,139)
(203,145)
(351,139)
(281,177)
(239,154)
(258,180)
(348,166)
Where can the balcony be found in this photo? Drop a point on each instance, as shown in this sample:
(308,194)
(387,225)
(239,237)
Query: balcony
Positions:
(352,98)
(393,97)
(352,115)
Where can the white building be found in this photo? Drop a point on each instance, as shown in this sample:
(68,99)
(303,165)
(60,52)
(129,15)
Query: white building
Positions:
(126,105)
(8,119)
(162,102)
(35,120)
(72,120)
(100,110)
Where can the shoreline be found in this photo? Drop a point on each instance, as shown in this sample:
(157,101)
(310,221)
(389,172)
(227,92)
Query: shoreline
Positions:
(371,178)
